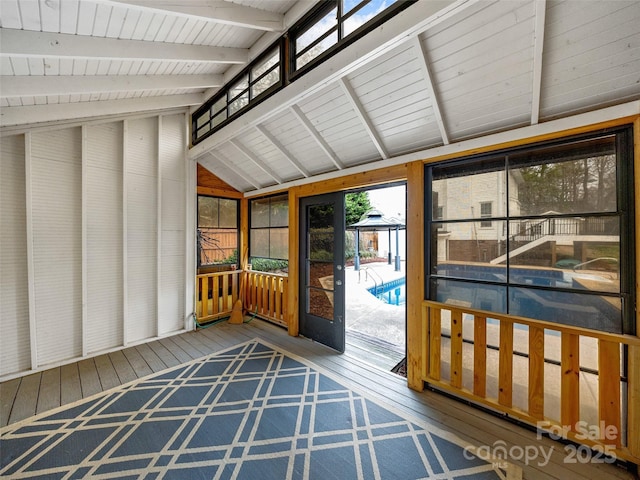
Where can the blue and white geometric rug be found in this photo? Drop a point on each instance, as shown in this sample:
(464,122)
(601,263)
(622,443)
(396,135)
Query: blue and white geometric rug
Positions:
(251,412)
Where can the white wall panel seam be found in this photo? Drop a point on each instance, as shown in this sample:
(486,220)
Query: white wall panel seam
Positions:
(158,224)
(190,229)
(30,261)
(125,288)
(84,206)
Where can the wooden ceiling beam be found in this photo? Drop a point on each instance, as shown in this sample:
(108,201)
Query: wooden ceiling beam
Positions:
(43,85)
(226,13)
(26,43)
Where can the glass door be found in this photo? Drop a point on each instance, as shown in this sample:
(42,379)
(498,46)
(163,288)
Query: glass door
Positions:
(322,227)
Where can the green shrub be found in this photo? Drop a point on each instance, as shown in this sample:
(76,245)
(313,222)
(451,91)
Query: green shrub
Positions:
(269,265)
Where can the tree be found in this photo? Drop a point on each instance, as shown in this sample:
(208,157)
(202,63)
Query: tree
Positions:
(571,186)
(356,205)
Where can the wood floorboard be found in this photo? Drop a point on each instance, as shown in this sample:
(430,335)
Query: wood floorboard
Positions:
(137,362)
(89,379)
(8,392)
(152,359)
(470,424)
(193,339)
(193,349)
(176,350)
(49,394)
(70,387)
(163,353)
(106,372)
(24,406)
(122,367)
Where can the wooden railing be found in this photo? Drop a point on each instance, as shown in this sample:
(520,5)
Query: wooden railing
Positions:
(519,366)
(216,294)
(265,295)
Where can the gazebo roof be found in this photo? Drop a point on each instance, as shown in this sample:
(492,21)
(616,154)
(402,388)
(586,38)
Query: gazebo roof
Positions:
(375,221)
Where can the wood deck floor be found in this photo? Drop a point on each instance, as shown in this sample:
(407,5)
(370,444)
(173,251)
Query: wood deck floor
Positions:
(33,394)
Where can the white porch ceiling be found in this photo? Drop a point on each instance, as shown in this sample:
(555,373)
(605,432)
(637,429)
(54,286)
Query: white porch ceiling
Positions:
(439,73)
(63,60)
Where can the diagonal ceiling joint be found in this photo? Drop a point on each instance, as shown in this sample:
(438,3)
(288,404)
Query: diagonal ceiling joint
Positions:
(297,112)
(282,149)
(435,102)
(231,176)
(538,47)
(364,118)
(253,157)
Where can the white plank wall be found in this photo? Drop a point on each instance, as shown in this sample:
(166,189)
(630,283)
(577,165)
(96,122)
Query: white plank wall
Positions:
(171,301)
(141,178)
(93,250)
(103,241)
(15,350)
(57,243)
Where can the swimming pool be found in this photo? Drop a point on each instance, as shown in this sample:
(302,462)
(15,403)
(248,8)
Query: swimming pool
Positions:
(393,292)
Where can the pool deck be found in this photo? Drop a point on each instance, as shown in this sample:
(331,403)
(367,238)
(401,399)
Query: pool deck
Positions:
(371,321)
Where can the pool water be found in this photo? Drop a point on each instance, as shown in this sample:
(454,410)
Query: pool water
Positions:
(393,292)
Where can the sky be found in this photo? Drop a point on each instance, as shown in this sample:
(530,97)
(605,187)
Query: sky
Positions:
(391,201)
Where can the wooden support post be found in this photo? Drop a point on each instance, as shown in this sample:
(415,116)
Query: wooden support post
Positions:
(292,319)
(415,274)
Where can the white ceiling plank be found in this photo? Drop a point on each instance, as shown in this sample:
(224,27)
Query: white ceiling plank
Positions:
(11,14)
(68,16)
(316,136)
(215,11)
(30,15)
(435,101)
(259,163)
(42,44)
(229,175)
(282,149)
(364,118)
(538,47)
(49,113)
(50,15)
(13,86)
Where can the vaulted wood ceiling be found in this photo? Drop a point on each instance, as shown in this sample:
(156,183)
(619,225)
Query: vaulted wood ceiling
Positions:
(437,74)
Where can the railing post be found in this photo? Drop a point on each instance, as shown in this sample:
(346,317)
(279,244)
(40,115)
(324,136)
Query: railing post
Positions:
(480,356)
(456,348)
(609,390)
(633,401)
(570,380)
(505,367)
(536,372)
